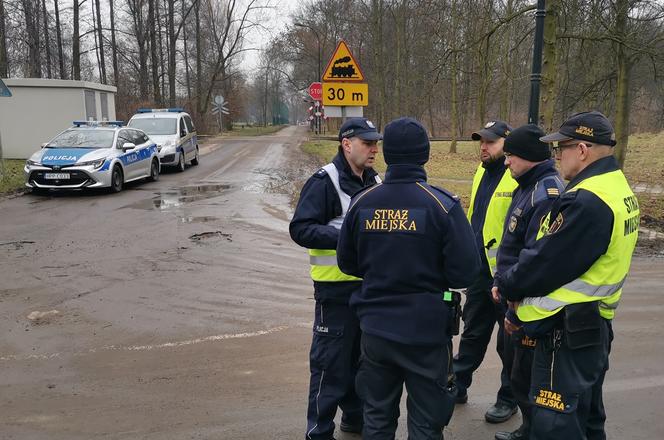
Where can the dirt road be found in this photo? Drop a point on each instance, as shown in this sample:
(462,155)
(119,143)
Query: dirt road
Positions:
(182,310)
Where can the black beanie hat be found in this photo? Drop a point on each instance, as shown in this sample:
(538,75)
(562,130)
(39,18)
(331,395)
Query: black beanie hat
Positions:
(405,141)
(525,143)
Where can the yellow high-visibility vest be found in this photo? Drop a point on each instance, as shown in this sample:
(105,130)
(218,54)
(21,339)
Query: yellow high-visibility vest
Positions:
(604,280)
(323,262)
(494,219)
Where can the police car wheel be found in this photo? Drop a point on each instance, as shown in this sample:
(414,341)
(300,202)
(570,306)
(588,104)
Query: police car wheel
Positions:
(154,171)
(117,179)
(194,161)
(181,163)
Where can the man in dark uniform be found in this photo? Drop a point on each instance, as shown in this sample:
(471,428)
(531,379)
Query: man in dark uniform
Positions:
(411,243)
(490,199)
(323,203)
(567,286)
(529,161)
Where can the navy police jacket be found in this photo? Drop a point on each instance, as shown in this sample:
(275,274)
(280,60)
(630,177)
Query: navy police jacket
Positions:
(410,242)
(319,203)
(583,236)
(531,202)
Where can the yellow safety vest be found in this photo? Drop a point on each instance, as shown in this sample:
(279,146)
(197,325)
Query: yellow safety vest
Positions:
(494,219)
(604,280)
(323,262)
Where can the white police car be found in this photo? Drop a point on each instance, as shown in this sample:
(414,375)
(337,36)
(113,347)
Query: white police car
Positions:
(93,155)
(173,130)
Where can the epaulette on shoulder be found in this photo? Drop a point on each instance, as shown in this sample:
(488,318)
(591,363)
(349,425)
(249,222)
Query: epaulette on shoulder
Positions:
(321,173)
(447,198)
(548,188)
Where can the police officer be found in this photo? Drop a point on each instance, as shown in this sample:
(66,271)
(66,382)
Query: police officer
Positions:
(566,288)
(411,243)
(490,198)
(530,164)
(323,203)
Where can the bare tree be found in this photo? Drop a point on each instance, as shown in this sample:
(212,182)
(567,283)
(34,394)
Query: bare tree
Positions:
(100,38)
(4,60)
(114,46)
(58,34)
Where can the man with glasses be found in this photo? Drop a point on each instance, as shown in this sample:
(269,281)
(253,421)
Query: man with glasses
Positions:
(529,161)
(490,199)
(566,288)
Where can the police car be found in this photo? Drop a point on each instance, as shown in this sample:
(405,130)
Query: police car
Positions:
(173,130)
(93,155)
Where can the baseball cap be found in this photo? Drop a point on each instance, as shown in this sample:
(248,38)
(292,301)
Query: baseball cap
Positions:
(587,126)
(359,127)
(492,130)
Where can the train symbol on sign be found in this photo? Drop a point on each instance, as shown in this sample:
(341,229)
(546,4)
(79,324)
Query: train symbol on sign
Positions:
(347,71)
(343,66)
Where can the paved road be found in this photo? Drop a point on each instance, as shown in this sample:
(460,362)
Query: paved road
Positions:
(183,311)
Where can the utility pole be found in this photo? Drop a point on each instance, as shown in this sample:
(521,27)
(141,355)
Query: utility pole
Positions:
(536,76)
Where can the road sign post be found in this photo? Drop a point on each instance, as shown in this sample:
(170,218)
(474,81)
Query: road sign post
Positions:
(219,108)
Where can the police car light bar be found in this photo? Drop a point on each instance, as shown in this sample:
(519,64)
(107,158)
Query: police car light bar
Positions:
(97,123)
(154,110)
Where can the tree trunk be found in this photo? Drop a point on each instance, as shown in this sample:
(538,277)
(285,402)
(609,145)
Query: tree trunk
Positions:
(186,53)
(76,44)
(4,62)
(454,112)
(31,8)
(114,46)
(199,69)
(622,87)
(379,78)
(58,34)
(156,94)
(162,81)
(47,41)
(549,65)
(171,52)
(100,37)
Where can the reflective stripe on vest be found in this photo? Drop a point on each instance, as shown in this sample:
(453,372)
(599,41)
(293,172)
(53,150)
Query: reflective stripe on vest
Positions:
(604,280)
(324,261)
(494,219)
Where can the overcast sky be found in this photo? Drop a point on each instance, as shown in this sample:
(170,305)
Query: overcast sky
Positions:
(276,21)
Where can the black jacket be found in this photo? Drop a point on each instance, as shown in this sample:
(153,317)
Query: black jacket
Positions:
(564,255)
(318,204)
(410,242)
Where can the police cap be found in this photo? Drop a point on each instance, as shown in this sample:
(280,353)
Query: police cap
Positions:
(587,126)
(492,130)
(359,127)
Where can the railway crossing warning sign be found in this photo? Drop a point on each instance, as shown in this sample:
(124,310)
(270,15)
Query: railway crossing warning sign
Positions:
(342,66)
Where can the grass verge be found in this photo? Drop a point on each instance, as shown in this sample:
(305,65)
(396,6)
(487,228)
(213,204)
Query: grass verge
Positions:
(11,180)
(455,171)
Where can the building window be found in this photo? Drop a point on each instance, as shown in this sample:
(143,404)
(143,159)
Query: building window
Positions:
(90,105)
(103,99)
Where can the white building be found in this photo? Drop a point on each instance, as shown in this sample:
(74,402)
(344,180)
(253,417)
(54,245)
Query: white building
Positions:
(39,109)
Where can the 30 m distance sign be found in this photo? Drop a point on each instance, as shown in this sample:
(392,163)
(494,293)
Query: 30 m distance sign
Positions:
(345,94)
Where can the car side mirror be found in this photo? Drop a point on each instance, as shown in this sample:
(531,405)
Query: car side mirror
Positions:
(128,146)
(183,134)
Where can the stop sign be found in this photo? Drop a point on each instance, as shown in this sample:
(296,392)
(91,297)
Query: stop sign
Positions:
(316,91)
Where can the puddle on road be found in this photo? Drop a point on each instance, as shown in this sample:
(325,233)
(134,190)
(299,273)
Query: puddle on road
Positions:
(210,234)
(201,219)
(177,197)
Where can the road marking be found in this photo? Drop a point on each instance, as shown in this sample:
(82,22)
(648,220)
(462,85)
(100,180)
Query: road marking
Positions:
(174,344)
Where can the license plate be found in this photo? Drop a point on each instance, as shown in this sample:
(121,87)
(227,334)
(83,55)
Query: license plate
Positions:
(56,176)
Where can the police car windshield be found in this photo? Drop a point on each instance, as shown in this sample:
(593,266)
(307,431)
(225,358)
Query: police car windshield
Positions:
(155,126)
(83,138)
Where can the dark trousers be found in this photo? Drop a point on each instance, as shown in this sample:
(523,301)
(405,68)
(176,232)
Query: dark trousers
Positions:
(480,315)
(567,388)
(519,353)
(384,368)
(333,362)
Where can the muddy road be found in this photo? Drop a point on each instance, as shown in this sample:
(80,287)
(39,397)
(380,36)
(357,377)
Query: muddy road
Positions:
(181,309)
